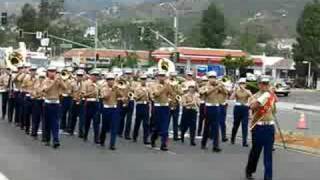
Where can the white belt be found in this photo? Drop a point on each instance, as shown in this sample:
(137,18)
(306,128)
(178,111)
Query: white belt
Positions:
(223,103)
(51,101)
(91,99)
(28,95)
(202,102)
(261,123)
(142,102)
(240,104)
(161,104)
(210,104)
(109,106)
(65,95)
(16,89)
(3,90)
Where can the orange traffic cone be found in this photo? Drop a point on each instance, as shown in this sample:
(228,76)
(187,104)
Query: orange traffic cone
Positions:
(302,124)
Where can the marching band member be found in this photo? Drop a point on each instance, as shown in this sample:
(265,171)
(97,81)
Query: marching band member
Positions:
(12,95)
(222,96)
(263,130)
(110,94)
(212,112)
(162,94)
(241,111)
(37,105)
(175,104)
(141,95)
(202,108)
(77,86)
(52,87)
(128,106)
(18,95)
(190,103)
(66,99)
(188,80)
(4,90)
(92,106)
(27,86)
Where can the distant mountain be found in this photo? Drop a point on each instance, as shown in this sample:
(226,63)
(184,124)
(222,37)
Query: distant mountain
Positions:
(279,15)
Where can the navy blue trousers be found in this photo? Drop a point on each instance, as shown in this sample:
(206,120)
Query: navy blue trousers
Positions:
(174,115)
(202,117)
(262,138)
(21,113)
(74,115)
(223,116)
(189,121)
(27,111)
(241,115)
(37,116)
(142,115)
(212,127)
(110,123)
(11,106)
(51,122)
(5,96)
(18,107)
(161,126)
(126,119)
(92,111)
(66,103)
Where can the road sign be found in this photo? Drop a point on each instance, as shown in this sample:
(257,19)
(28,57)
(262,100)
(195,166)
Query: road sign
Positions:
(66,46)
(38,35)
(45,42)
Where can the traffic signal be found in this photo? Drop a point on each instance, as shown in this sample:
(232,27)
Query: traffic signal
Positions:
(176,56)
(20,33)
(45,34)
(4,18)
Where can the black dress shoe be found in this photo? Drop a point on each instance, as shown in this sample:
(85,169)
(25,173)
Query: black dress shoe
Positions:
(47,143)
(176,139)
(56,145)
(164,148)
(203,147)
(102,145)
(193,144)
(147,143)
(128,138)
(225,140)
(249,176)
(217,150)
(112,148)
(134,140)
(245,145)
(232,141)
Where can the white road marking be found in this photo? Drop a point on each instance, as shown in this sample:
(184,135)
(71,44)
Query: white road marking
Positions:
(3,177)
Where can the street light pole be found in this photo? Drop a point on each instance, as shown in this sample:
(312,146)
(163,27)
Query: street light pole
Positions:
(309,75)
(175,23)
(309,72)
(95,42)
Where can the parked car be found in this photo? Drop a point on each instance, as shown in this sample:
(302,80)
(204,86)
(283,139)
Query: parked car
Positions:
(281,88)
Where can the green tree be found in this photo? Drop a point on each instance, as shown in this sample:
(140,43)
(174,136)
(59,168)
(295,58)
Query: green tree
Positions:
(213,27)
(237,63)
(28,22)
(131,60)
(308,38)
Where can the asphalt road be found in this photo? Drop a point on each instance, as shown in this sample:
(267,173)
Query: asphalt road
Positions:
(22,158)
(301,96)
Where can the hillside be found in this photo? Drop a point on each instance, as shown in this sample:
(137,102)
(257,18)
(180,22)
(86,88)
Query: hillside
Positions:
(279,16)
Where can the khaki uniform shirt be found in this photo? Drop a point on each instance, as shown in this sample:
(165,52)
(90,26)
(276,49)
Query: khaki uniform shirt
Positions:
(242,96)
(212,97)
(52,88)
(191,100)
(110,95)
(4,82)
(141,93)
(28,83)
(37,91)
(91,90)
(222,95)
(262,98)
(162,94)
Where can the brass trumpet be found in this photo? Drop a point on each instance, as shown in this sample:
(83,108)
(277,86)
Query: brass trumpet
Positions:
(130,94)
(65,75)
(178,98)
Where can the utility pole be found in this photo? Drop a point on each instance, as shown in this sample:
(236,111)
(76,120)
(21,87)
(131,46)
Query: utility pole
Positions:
(96,41)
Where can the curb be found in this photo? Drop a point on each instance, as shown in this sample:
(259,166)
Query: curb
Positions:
(300,149)
(304,108)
